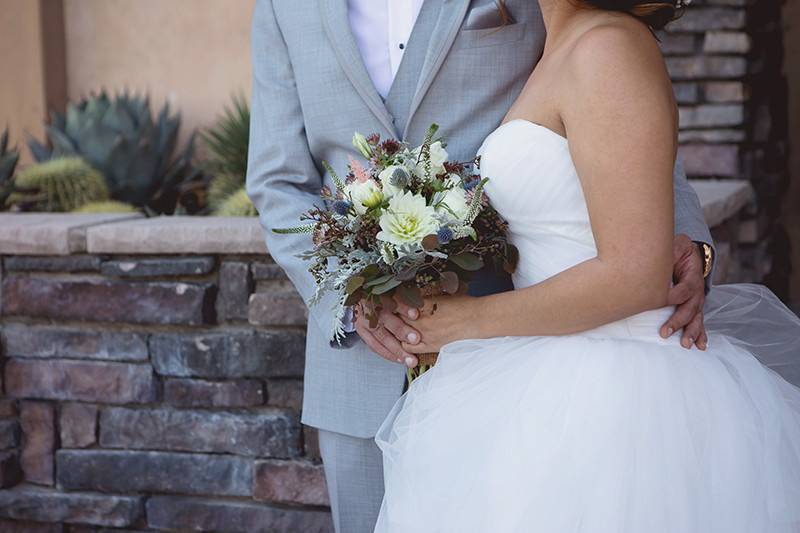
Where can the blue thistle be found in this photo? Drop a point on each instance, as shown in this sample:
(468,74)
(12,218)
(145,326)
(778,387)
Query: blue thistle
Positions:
(400,178)
(468,185)
(341,207)
(444,235)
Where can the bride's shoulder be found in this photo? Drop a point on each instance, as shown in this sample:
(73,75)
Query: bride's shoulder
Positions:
(617,46)
(617,56)
(615,74)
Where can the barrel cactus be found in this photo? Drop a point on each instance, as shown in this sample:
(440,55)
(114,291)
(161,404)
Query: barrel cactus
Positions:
(120,137)
(8,162)
(60,184)
(106,206)
(221,187)
(237,205)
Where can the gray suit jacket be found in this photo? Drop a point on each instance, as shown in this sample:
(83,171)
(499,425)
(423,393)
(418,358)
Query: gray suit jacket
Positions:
(311,91)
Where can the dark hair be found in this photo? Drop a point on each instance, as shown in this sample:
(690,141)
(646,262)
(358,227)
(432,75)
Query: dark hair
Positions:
(654,13)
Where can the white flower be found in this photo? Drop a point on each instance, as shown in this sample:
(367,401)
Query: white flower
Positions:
(408,220)
(364,195)
(438,158)
(453,204)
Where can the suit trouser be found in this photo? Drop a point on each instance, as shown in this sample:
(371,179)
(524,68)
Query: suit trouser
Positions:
(354,474)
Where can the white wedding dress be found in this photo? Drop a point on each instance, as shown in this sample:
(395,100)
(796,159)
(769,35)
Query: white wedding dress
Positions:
(612,430)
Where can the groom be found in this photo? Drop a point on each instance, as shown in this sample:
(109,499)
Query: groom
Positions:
(323,69)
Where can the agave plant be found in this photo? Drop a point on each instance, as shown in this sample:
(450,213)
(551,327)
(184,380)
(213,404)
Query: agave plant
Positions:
(238,204)
(183,189)
(61,184)
(122,140)
(227,141)
(8,162)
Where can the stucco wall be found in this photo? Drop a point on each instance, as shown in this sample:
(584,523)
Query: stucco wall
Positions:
(191,53)
(22,102)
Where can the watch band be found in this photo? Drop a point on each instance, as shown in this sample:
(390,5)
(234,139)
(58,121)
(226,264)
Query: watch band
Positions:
(708,258)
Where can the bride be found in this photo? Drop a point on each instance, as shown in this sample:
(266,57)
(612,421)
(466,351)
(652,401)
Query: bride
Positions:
(557,407)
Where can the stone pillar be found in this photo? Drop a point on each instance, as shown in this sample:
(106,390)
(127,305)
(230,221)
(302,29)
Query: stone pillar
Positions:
(725,58)
(791,206)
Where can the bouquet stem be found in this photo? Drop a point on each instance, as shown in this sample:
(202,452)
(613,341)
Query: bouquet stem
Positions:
(425,360)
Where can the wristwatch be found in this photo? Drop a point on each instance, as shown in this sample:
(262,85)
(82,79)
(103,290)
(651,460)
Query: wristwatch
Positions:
(707,253)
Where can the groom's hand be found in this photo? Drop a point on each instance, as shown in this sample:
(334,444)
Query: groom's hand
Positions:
(386,338)
(688,294)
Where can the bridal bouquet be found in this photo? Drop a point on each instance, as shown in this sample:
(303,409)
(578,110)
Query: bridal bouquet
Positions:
(407,224)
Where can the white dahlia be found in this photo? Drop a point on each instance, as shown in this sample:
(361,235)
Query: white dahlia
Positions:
(408,220)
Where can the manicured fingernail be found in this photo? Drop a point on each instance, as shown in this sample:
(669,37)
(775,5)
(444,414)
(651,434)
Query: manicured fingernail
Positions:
(412,337)
(413,313)
(409,361)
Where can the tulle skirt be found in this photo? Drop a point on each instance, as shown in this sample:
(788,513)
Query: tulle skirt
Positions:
(614,430)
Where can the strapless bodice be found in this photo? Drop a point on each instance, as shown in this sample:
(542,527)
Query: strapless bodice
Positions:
(534,185)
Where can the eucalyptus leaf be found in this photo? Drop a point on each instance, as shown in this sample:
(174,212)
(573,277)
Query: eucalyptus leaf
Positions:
(410,295)
(430,242)
(408,273)
(370,271)
(467,261)
(354,284)
(354,298)
(512,259)
(387,286)
(449,282)
(378,281)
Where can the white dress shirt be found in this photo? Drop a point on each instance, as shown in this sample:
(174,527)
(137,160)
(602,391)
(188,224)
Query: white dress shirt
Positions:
(381,29)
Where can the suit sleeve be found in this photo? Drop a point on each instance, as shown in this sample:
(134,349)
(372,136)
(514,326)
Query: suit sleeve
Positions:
(689,217)
(282,179)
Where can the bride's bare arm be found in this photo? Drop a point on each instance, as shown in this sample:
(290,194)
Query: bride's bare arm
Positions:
(621,123)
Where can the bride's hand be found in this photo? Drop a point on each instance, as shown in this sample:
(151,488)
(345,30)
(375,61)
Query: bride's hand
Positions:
(442,319)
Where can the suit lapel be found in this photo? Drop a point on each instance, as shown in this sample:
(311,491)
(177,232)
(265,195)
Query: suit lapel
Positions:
(337,27)
(451,15)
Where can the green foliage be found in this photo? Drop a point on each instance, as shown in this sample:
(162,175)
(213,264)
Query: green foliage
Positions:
(226,145)
(8,162)
(106,206)
(57,185)
(128,146)
(227,141)
(237,205)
